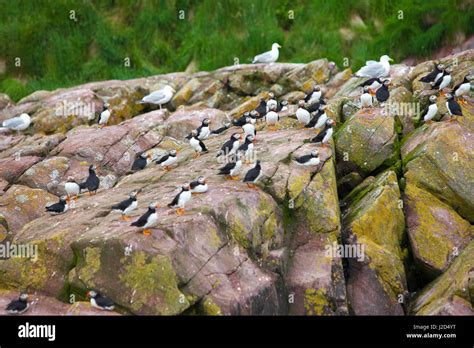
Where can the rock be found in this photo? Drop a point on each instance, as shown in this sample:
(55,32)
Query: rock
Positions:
(12,168)
(306,77)
(182,122)
(347,183)
(21,204)
(205,89)
(402,107)
(365,142)
(445,171)
(437,234)
(374,221)
(36,145)
(450,292)
(5,101)
(46,175)
(45,305)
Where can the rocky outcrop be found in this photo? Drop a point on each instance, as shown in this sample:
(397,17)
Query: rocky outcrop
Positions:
(390,201)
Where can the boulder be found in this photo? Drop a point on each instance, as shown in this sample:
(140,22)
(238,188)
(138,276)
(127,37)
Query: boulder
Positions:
(12,167)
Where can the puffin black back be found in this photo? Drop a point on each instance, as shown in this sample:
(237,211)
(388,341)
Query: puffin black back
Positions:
(301,163)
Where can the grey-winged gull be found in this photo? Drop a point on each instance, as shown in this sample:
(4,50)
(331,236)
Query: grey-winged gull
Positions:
(159,97)
(373,68)
(18,124)
(268,57)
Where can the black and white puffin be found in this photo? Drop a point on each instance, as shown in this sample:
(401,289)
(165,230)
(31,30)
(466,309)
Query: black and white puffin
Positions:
(435,75)
(181,199)
(261,108)
(249,128)
(100,302)
(230,146)
(326,134)
(302,115)
(232,168)
(315,117)
(463,88)
(197,144)
(104,116)
(127,206)
(314,96)
(383,93)
(18,306)
(373,83)
(58,208)
(253,175)
(72,188)
(453,107)
(321,120)
(167,161)
(241,120)
(203,130)
(308,160)
(366,98)
(247,147)
(315,107)
(141,161)
(272,118)
(92,182)
(222,129)
(444,81)
(147,220)
(198,186)
(282,105)
(430,112)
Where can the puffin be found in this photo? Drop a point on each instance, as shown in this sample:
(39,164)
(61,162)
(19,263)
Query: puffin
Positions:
(314,96)
(141,162)
(198,186)
(72,188)
(92,182)
(180,200)
(127,206)
(230,146)
(247,147)
(253,175)
(100,302)
(431,110)
(241,120)
(302,114)
(159,97)
(58,208)
(282,106)
(168,160)
(203,130)
(261,108)
(321,120)
(147,220)
(315,107)
(308,160)
(315,117)
(271,101)
(453,106)
(366,98)
(197,144)
(326,134)
(383,93)
(222,129)
(249,128)
(463,88)
(104,116)
(435,75)
(272,118)
(373,83)
(18,306)
(444,81)
(373,68)
(232,168)
(268,57)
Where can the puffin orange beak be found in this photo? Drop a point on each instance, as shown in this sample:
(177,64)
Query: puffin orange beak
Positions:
(88,294)
(205,181)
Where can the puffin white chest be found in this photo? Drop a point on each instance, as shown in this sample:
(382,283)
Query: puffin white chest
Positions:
(249,129)
(321,121)
(328,135)
(195,144)
(236,168)
(463,89)
(104,117)
(204,133)
(72,189)
(303,115)
(171,160)
(184,198)
(366,100)
(445,82)
(131,207)
(271,117)
(432,110)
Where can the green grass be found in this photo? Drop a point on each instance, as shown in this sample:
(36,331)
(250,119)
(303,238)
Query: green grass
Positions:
(56,51)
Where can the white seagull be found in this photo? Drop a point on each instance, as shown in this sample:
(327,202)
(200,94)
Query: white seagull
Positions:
(373,68)
(268,57)
(18,124)
(159,97)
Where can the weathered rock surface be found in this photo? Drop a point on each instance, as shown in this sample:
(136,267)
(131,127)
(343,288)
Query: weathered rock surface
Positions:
(405,193)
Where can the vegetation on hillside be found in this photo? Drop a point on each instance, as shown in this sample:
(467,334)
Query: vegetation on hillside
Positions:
(159,36)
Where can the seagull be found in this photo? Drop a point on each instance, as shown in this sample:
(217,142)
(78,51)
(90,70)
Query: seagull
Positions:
(17,124)
(373,68)
(159,97)
(268,57)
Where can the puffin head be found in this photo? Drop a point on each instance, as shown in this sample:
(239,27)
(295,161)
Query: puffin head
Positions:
(271,95)
(314,153)
(70,179)
(23,296)
(301,103)
(366,89)
(433,99)
(91,294)
(173,152)
(316,88)
(449,96)
(202,180)
(194,133)
(206,121)
(386,83)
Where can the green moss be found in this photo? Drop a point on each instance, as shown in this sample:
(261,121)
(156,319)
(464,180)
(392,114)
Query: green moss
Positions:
(316,302)
(210,308)
(154,283)
(89,266)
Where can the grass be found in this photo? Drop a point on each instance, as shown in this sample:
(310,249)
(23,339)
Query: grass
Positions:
(57,51)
